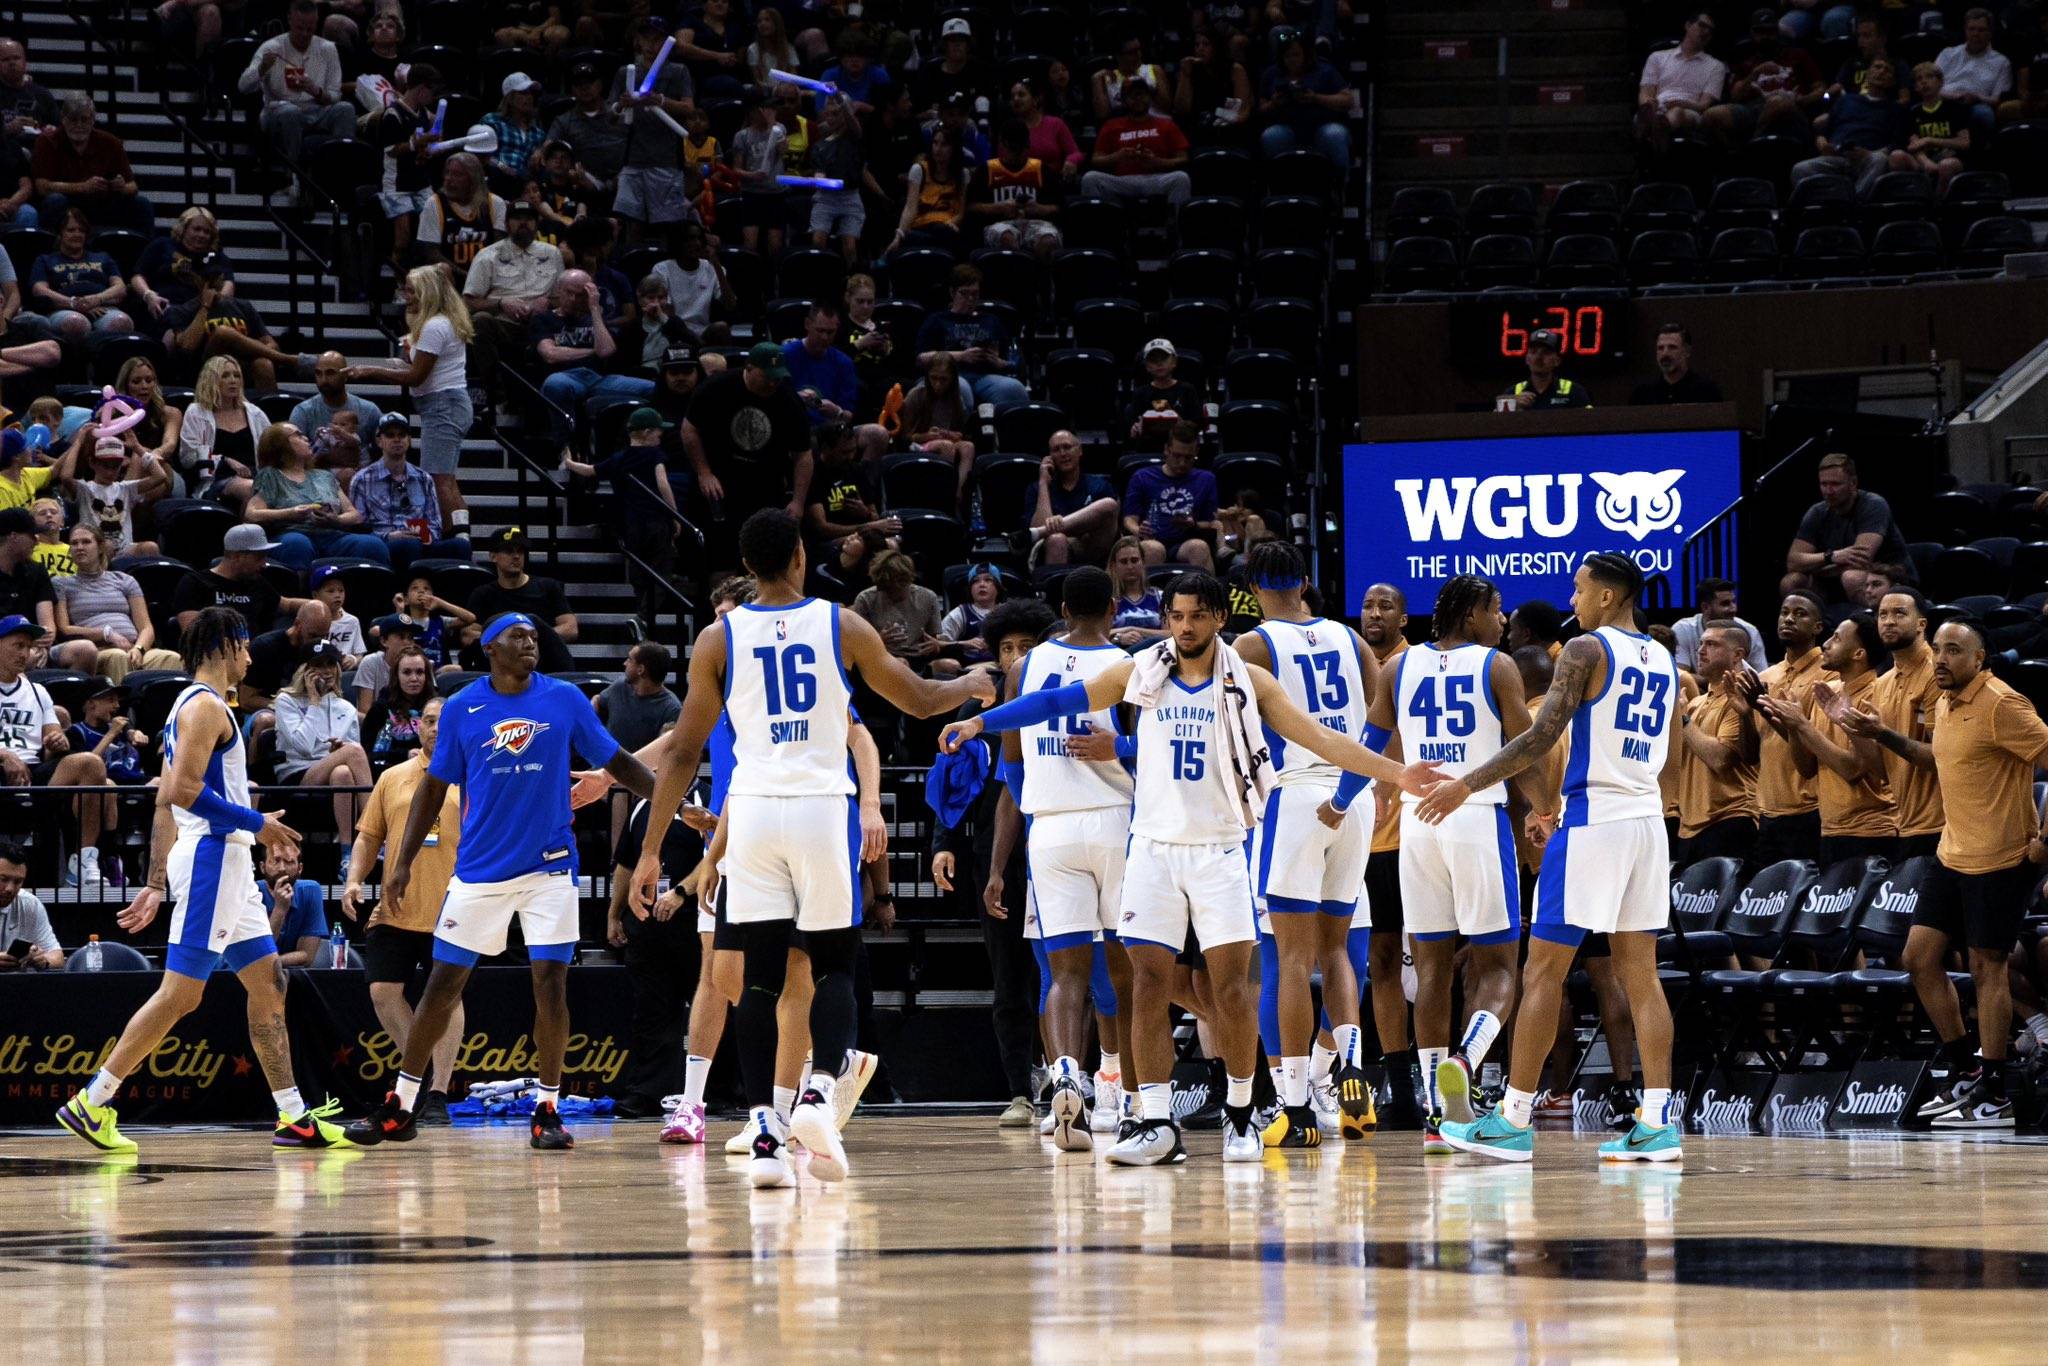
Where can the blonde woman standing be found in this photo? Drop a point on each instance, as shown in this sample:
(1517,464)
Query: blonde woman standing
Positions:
(436,344)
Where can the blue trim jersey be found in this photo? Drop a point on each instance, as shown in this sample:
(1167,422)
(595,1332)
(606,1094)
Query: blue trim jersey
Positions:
(1446,712)
(1054,781)
(511,754)
(227,772)
(1181,798)
(1317,665)
(789,699)
(1619,738)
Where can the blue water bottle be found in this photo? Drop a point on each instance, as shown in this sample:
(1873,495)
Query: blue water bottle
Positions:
(337,943)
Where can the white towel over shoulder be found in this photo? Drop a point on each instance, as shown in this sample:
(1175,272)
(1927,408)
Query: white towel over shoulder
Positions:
(1251,776)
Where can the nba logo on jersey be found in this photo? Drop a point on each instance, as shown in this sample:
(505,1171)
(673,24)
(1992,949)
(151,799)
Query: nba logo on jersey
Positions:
(513,735)
(1311,637)
(781,629)
(1443,663)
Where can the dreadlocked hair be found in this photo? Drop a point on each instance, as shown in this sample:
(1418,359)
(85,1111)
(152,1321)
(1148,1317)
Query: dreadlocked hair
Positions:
(1275,566)
(1456,601)
(213,632)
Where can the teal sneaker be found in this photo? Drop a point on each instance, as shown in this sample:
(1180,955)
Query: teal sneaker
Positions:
(1644,1143)
(1492,1137)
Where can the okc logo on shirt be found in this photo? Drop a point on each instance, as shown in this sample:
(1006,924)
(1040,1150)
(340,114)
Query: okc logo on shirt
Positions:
(513,735)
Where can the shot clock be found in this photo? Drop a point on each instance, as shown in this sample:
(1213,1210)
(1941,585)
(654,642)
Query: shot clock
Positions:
(1490,335)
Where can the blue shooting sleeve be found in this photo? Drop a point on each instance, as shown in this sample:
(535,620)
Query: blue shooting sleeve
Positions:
(1012,775)
(212,807)
(1351,784)
(1126,748)
(1036,707)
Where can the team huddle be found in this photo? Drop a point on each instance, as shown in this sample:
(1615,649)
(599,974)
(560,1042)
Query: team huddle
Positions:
(1182,808)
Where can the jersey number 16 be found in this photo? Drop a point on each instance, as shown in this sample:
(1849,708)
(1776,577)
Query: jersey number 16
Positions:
(786,680)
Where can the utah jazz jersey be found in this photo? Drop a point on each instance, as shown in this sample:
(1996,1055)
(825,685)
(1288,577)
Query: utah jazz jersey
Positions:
(1447,713)
(227,772)
(1619,738)
(1316,662)
(1181,798)
(788,696)
(1054,781)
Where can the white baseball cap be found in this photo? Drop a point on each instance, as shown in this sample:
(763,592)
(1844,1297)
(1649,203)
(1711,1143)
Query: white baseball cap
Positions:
(956,28)
(517,82)
(1160,344)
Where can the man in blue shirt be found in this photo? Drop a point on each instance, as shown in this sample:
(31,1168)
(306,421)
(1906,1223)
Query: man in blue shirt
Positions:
(1864,128)
(1172,507)
(857,75)
(824,378)
(1074,516)
(298,919)
(979,342)
(508,741)
(396,498)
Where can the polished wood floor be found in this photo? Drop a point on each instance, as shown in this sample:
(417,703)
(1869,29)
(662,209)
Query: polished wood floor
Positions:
(956,1241)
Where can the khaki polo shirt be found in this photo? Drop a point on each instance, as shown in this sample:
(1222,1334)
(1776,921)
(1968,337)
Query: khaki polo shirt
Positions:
(383,820)
(1706,796)
(1987,742)
(1863,807)
(1780,789)
(1905,699)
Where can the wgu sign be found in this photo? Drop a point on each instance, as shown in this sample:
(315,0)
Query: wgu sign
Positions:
(1525,511)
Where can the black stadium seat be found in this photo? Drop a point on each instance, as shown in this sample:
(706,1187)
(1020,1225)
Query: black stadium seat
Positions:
(1743,254)
(1741,202)
(1212,221)
(1083,380)
(1988,241)
(1816,202)
(1203,272)
(1421,263)
(1582,259)
(1289,325)
(1087,273)
(1423,211)
(1700,898)
(1906,247)
(1584,206)
(1498,259)
(1500,208)
(912,479)
(1663,256)
(1898,197)
(1659,205)
(2020,150)
(1959,572)
(1261,471)
(1827,253)
(1954,517)
(1008,485)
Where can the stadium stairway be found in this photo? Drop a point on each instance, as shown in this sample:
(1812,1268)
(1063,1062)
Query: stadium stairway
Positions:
(1471,92)
(303,304)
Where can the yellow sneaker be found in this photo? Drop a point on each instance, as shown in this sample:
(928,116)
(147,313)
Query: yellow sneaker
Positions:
(1293,1128)
(96,1124)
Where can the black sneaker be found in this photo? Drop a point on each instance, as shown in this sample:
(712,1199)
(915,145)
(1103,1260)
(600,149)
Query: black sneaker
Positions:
(1400,1109)
(433,1111)
(389,1120)
(548,1133)
(1966,1086)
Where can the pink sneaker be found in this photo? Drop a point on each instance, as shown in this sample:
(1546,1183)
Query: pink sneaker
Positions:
(686,1125)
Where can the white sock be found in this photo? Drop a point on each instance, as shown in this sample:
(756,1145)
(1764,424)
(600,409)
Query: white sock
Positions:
(408,1089)
(1480,1032)
(1155,1100)
(104,1088)
(1321,1060)
(1127,1103)
(1293,1082)
(288,1102)
(696,1072)
(458,522)
(785,1101)
(1237,1091)
(1428,1059)
(1656,1100)
(1515,1107)
(1350,1044)
(2037,1025)
(764,1117)
(547,1097)
(1112,1066)
(822,1083)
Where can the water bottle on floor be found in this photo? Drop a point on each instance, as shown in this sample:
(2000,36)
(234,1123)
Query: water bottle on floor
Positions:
(337,947)
(92,953)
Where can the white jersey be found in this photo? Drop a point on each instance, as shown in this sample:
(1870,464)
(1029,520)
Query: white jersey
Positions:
(227,772)
(788,696)
(1447,713)
(1619,739)
(1317,665)
(1181,799)
(1052,780)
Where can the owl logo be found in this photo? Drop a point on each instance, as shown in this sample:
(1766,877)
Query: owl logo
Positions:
(1639,502)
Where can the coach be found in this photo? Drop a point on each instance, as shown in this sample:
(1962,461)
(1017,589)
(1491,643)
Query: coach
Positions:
(1987,742)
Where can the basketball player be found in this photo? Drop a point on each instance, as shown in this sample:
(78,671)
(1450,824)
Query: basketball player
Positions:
(1203,774)
(1458,701)
(1307,872)
(794,833)
(1606,870)
(201,852)
(506,741)
(1079,815)
(1383,622)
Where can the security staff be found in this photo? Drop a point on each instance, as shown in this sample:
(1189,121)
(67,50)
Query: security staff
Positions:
(1545,388)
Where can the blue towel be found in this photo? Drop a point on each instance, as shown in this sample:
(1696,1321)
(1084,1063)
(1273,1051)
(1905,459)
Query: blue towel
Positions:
(955,782)
(521,1106)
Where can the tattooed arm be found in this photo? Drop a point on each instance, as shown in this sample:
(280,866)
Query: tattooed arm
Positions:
(1581,671)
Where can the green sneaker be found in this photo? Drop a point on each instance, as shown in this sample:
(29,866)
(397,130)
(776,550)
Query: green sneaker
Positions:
(311,1130)
(96,1124)
(1492,1136)
(1644,1143)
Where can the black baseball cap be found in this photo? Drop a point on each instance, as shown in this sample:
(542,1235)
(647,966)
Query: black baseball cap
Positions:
(98,686)
(583,71)
(212,266)
(17,522)
(521,206)
(394,622)
(324,652)
(1545,338)
(647,420)
(506,538)
(679,357)
(394,422)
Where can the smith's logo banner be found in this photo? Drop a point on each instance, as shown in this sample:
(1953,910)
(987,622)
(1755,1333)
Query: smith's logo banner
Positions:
(1526,511)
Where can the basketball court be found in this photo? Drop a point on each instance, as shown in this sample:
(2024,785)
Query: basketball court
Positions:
(958,1241)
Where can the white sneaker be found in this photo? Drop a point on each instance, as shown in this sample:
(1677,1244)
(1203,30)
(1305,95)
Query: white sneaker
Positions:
(860,1070)
(811,1124)
(1070,1127)
(1322,1098)
(89,868)
(1045,1126)
(741,1143)
(768,1166)
(1242,1145)
(1102,1119)
(1154,1143)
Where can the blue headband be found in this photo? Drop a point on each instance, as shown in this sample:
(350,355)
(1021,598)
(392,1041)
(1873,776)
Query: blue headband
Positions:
(1279,585)
(506,623)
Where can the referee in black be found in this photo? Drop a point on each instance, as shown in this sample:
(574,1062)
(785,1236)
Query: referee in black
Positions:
(662,956)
